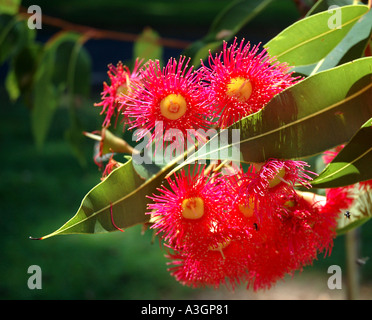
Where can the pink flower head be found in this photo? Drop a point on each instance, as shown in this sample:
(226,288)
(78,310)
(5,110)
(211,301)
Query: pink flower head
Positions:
(243,80)
(253,235)
(269,181)
(112,95)
(305,229)
(288,239)
(171,95)
(190,212)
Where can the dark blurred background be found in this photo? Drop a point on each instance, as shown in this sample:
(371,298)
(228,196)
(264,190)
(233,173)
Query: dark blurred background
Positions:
(41,189)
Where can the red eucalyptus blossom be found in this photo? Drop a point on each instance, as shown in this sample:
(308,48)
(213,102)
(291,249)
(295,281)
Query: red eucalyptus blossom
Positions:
(189,212)
(171,95)
(249,228)
(252,227)
(113,101)
(242,80)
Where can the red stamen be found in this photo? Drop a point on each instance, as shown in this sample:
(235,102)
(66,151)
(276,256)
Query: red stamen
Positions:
(112,219)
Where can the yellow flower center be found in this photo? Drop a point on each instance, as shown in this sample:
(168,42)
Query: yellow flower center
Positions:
(220,247)
(247,209)
(193,208)
(123,89)
(240,88)
(277,179)
(173,106)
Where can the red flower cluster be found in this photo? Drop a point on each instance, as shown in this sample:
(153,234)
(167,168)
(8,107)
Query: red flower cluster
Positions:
(251,227)
(239,81)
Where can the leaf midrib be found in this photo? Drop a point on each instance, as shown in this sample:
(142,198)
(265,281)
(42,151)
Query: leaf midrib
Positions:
(63,229)
(343,167)
(318,36)
(114,203)
(289,124)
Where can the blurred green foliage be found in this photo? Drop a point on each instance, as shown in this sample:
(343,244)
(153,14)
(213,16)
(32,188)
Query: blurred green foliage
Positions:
(38,189)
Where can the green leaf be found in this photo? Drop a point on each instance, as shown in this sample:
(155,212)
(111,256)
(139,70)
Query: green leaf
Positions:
(72,70)
(323,5)
(76,140)
(146,165)
(9,6)
(119,201)
(314,115)
(351,47)
(357,39)
(352,164)
(11,85)
(63,65)
(360,211)
(45,100)
(22,69)
(77,83)
(14,35)
(147,45)
(236,15)
(307,42)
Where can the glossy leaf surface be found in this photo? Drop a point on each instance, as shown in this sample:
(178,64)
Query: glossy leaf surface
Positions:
(353,163)
(314,115)
(318,41)
(118,202)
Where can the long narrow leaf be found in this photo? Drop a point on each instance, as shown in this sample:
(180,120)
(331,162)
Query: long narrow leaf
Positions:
(353,164)
(118,202)
(351,47)
(314,115)
(312,39)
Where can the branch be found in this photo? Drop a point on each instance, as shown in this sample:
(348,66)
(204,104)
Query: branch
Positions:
(97,34)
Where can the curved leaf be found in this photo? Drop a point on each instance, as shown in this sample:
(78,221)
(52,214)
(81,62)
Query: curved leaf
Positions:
(351,47)
(314,115)
(77,82)
(119,201)
(9,6)
(14,35)
(323,5)
(353,164)
(56,72)
(147,46)
(310,40)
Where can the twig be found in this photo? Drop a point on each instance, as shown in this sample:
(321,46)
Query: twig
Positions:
(95,33)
